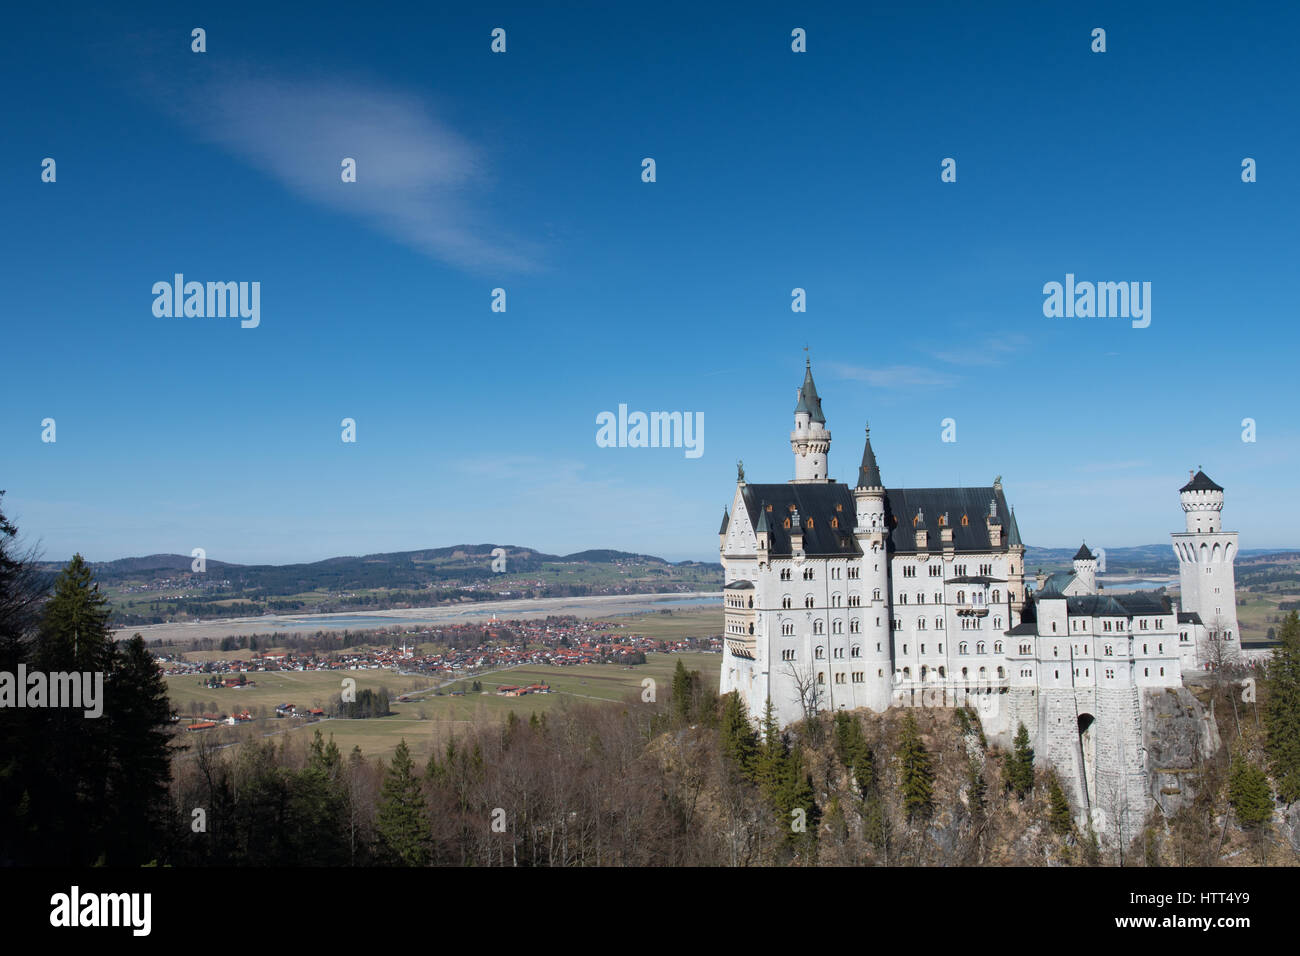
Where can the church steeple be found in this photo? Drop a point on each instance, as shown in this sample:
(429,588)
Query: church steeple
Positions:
(810,441)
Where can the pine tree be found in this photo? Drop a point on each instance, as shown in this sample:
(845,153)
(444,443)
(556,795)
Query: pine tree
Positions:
(739,743)
(1283,711)
(1248,793)
(138,715)
(401,821)
(917,775)
(681,693)
(1058,807)
(1019,767)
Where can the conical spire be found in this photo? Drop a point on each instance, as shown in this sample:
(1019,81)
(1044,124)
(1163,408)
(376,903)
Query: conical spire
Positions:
(762,518)
(809,401)
(726,520)
(1013,537)
(869,473)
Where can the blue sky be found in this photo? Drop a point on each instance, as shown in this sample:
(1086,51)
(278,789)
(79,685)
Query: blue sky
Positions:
(522,170)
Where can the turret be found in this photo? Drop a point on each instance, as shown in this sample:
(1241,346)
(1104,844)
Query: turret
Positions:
(722,532)
(1085,569)
(873,538)
(1202,502)
(810,441)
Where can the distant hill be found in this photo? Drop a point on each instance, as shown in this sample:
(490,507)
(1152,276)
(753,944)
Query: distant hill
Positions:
(161,588)
(1140,559)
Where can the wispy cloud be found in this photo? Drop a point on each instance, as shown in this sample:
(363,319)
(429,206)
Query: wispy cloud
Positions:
(892,376)
(418,181)
(988,352)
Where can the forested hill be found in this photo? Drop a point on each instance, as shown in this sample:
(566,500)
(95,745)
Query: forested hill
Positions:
(165,587)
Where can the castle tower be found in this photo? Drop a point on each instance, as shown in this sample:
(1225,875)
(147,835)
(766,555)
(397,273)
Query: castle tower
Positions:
(871,531)
(1207,580)
(810,441)
(1085,570)
(1015,569)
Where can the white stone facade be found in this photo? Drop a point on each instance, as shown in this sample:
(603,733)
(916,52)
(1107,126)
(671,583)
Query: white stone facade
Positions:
(838,598)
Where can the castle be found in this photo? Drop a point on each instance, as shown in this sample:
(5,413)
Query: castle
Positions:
(838,598)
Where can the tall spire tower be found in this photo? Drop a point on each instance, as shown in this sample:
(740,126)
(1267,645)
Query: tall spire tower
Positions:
(810,441)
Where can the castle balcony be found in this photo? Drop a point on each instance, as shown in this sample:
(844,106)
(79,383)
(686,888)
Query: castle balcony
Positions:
(741,647)
(972,610)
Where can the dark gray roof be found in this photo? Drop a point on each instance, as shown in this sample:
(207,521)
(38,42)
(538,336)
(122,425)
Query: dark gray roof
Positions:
(902,505)
(739,586)
(1054,586)
(1144,602)
(1024,628)
(1093,605)
(976,579)
(869,471)
(808,399)
(1013,536)
(1083,554)
(831,531)
(1201,482)
(1189,617)
(726,520)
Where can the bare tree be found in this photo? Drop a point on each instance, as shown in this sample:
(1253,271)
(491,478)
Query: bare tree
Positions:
(807,687)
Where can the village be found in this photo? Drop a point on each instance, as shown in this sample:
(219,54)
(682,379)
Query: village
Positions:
(497,646)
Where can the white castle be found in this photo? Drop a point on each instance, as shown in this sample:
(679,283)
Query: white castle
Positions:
(838,598)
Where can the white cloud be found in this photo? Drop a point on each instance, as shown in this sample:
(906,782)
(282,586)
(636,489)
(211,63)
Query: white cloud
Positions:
(418,181)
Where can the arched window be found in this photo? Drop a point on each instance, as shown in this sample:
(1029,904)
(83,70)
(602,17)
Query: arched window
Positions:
(817,627)
(995,595)
(962,648)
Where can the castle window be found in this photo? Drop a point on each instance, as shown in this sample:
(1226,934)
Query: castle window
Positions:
(996,595)
(839,507)
(965,673)
(880,672)
(785,602)
(942,673)
(817,627)
(1162,672)
(810,522)
(1146,672)
(1001,673)
(964,521)
(962,648)
(808,601)
(979,648)
(997,647)
(1053,627)
(787,522)
(821,652)
(938,624)
(907,673)
(855,651)
(821,677)
(835,523)
(769,509)
(875,594)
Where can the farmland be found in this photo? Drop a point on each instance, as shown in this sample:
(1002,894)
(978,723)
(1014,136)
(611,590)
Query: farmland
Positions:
(428,717)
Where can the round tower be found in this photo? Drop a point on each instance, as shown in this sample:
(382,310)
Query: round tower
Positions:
(810,441)
(872,535)
(1085,569)
(1207,581)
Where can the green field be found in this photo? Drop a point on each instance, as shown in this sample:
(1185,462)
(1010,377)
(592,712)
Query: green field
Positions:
(429,718)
